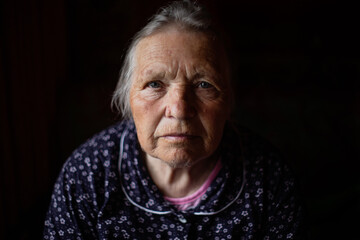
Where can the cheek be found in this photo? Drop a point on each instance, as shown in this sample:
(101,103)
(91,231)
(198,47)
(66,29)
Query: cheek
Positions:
(140,107)
(146,117)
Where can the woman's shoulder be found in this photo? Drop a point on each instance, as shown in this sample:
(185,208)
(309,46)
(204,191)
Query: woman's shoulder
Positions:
(265,164)
(261,157)
(98,153)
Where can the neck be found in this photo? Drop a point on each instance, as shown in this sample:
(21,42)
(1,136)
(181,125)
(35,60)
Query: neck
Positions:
(179,182)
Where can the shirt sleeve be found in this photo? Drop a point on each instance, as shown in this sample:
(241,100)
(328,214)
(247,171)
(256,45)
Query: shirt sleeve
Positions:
(71,212)
(285,209)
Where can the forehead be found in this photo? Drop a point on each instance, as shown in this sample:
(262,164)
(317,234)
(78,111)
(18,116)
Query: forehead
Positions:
(176,44)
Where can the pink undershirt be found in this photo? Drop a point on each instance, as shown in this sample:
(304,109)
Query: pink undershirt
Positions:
(193,200)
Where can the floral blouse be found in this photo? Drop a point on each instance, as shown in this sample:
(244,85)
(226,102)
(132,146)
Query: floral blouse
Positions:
(105,192)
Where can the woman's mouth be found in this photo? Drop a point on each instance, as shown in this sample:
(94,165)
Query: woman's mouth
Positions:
(178,137)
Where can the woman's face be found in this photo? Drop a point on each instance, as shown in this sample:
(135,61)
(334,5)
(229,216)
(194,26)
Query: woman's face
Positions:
(178,97)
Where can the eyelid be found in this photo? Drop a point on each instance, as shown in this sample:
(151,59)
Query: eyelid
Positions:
(147,84)
(212,83)
(200,82)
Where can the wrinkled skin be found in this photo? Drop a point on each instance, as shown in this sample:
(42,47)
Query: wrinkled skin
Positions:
(178,97)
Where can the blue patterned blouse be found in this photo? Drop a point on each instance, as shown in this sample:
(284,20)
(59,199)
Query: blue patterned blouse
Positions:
(104,192)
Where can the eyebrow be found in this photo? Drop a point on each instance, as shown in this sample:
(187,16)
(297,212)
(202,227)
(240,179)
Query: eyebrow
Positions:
(158,74)
(197,76)
(202,74)
(154,74)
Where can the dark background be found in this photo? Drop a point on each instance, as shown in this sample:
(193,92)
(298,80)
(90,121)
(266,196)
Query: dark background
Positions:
(296,66)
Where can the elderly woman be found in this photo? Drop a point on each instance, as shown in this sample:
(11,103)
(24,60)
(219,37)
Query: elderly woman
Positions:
(175,168)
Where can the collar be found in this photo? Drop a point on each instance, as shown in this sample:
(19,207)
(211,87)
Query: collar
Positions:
(142,192)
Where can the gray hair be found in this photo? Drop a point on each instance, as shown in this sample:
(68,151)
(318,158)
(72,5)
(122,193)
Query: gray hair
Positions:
(183,14)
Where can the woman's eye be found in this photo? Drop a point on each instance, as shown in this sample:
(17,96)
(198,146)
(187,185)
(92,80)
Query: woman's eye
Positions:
(154,84)
(205,85)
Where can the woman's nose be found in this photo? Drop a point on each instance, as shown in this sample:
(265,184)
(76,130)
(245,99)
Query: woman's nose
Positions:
(180,103)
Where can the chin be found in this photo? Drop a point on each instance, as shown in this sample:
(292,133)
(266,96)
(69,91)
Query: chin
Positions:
(178,164)
(178,158)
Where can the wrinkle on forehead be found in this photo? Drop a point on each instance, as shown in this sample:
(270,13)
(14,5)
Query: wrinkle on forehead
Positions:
(164,56)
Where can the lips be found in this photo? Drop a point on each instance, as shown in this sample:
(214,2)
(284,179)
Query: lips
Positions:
(176,131)
(177,136)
